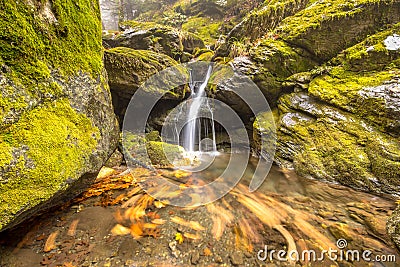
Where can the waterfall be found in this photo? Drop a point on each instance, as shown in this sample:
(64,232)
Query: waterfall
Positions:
(195,129)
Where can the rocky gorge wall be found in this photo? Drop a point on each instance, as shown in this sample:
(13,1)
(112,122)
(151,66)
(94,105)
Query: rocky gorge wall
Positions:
(57,126)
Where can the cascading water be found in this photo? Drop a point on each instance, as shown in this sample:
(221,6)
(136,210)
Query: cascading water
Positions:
(193,130)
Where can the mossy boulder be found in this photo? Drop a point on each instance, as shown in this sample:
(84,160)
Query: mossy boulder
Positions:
(154,37)
(128,69)
(364,80)
(149,150)
(327,27)
(264,19)
(270,63)
(57,126)
(327,143)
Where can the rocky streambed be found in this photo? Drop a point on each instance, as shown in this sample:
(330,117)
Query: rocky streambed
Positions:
(115,223)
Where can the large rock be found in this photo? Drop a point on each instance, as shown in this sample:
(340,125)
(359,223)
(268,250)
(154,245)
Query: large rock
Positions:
(344,125)
(285,43)
(270,63)
(326,143)
(325,28)
(128,69)
(155,37)
(57,125)
(259,22)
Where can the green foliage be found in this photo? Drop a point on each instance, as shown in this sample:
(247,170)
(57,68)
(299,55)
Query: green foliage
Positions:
(59,142)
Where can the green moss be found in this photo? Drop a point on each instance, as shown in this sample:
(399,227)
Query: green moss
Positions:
(330,144)
(206,56)
(341,87)
(142,150)
(317,12)
(5,154)
(163,153)
(358,58)
(204,28)
(262,20)
(58,142)
(36,39)
(385,159)
(129,68)
(30,45)
(281,59)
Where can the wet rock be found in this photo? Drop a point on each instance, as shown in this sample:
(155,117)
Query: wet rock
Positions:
(327,143)
(155,37)
(128,69)
(116,159)
(195,257)
(325,36)
(270,63)
(393,227)
(237,258)
(218,259)
(174,250)
(56,107)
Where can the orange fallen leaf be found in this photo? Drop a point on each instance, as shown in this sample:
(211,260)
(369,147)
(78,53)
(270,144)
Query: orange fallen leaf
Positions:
(68,264)
(159,204)
(158,221)
(72,227)
(196,226)
(137,230)
(120,230)
(192,236)
(149,225)
(50,242)
(207,252)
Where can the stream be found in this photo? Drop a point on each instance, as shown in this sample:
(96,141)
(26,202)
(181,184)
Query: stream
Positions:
(114,223)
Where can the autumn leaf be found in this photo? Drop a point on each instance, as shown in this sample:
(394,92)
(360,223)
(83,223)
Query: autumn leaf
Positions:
(192,236)
(150,225)
(158,221)
(179,238)
(120,230)
(159,204)
(137,230)
(193,225)
(207,252)
(72,227)
(50,242)
(68,264)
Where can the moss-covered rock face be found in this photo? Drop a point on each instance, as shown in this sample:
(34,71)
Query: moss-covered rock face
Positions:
(270,63)
(327,143)
(148,151)
(154,37)
(57,125)
(128,69)
(326,28)
(261,21)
